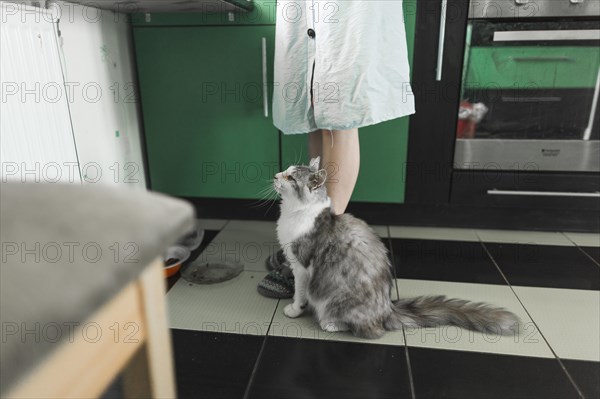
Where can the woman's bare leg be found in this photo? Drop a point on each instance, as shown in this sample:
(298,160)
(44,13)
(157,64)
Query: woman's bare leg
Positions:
(341,157)
(315,144)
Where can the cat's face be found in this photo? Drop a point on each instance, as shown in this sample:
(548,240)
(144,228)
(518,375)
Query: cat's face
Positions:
(301,183)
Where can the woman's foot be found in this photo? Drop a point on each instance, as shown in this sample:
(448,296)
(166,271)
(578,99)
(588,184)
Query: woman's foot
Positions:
(279,283)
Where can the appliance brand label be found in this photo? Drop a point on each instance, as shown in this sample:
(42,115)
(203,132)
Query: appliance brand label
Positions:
(550,152)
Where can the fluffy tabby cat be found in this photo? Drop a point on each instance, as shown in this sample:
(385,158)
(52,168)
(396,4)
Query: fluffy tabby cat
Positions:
(343,273)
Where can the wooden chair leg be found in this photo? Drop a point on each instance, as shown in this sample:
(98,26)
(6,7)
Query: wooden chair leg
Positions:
(150,374)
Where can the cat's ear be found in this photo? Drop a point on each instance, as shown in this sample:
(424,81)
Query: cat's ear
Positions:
(314,164)
(318,179)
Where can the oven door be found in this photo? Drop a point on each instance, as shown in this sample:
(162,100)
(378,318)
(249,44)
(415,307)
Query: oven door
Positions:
(529,96)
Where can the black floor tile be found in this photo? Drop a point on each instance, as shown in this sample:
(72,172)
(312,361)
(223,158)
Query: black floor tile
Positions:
(546,266)
(209,235)
(444,260)
(305,368)
(213,365)
(463,375)
(594,252)
(586,375)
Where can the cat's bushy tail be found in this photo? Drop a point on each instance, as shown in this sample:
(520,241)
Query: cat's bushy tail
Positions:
(432,311)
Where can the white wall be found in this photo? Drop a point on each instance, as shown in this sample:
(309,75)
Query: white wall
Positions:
(97,55)
(36,139)
(85,54)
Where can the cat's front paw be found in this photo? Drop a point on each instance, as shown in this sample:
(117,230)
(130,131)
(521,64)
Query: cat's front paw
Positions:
(333,326)
(291,311)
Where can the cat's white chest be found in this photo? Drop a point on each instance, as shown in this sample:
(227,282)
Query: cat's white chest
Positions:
(291,227)
(295,223)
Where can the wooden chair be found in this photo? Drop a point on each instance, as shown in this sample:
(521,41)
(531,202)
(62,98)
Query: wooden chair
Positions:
(70,326)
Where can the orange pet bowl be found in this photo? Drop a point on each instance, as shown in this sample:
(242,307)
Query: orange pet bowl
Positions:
(173,258)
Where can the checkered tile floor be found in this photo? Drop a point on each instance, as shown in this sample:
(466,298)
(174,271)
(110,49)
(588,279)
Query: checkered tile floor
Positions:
(230,342)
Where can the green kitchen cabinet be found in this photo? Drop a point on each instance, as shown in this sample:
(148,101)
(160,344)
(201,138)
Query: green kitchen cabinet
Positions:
(204,117)
(383,147)
(205,127)
(256,12)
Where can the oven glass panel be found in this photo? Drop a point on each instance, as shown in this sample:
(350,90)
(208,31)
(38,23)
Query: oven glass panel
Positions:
(529,96)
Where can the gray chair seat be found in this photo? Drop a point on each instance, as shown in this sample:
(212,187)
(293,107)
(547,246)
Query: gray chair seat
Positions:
(66,250)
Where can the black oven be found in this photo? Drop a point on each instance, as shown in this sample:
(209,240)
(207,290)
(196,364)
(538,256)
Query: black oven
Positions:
(530,87)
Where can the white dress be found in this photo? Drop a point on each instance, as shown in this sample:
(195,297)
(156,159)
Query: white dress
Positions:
(361,73)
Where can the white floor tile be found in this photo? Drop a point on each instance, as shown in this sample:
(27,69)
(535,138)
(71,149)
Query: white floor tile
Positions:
(250,243)
(585,239)
(523,237)
(433,233)
(231,307)
(380,230)
(528,343)
(306,326)
(569,319)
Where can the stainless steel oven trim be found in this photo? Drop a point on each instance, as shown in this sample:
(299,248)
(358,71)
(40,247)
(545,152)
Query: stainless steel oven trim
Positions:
(491,9)
(546,35)
(527,155)
(544,193)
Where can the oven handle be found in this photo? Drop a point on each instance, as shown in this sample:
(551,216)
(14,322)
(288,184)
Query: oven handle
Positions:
(544,193)
(546,35)
(441,40)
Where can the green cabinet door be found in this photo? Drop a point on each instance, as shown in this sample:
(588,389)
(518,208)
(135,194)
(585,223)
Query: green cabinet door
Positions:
(202,100)
(257,12)
(383,147)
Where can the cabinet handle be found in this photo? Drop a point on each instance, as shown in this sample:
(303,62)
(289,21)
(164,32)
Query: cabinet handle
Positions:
(543,193)
(441,40)
(588,130)
(264,77)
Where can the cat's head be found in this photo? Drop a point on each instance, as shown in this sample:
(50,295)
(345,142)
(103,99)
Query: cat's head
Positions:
(300,183)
